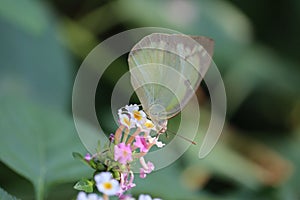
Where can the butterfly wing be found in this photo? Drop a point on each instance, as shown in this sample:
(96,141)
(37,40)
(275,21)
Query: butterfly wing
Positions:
(166,69)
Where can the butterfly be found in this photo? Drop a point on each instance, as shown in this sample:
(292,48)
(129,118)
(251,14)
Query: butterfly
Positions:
(166,70)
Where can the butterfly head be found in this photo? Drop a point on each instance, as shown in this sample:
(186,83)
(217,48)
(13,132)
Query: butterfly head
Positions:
(157,113)
(161,127)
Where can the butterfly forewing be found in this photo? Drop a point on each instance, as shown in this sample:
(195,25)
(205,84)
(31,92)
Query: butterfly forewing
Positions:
(166,69)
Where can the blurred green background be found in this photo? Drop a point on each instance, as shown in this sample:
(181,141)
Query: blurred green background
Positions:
(256,49)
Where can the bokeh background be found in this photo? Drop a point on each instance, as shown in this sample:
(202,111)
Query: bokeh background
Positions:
(256,49)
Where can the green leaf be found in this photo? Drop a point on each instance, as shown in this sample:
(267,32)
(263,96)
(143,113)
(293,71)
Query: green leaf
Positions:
(32,53)
(32,20)
(222,160)
(37,142)
(161,184)
(5,196)
(78,156)
(252,71)
(84,185)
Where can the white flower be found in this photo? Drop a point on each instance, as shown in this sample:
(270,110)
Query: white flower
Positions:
(132,108)
(126,121)
(146,126)
(155,141)
(106,184)
(147,197)
(84,196)
(159,144)
(131,117)
(149,124)
(139,116)
(129,198)
(120,111)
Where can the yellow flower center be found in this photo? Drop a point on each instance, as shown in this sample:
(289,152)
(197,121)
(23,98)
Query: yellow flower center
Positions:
(149,124)
(137,115)
(125,153)
(127,121)
(107,185)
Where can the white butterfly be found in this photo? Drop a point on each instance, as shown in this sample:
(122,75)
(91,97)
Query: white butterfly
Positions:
(166,69)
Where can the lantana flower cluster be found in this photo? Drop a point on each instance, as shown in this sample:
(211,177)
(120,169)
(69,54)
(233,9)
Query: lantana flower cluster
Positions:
(113,164)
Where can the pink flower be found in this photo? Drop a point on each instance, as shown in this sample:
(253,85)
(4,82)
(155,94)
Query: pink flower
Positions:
(126,181)
(141,143)
(147,168)
(123,153)
(111,137)
(126,197)
(142,173)
(88,157)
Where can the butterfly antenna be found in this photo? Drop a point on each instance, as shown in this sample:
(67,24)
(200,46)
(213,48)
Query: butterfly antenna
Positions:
(182,137)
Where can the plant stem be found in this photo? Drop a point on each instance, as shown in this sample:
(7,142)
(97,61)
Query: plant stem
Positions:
(132,137)
(125,136)
(39,192)
(105,197)
(118,134)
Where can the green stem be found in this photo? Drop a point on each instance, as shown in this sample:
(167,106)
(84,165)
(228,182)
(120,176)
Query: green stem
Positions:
(132,137)
(125,136)
(39,191)
(105,197)
(118,134)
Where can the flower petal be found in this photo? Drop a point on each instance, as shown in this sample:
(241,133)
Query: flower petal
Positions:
(103,177)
